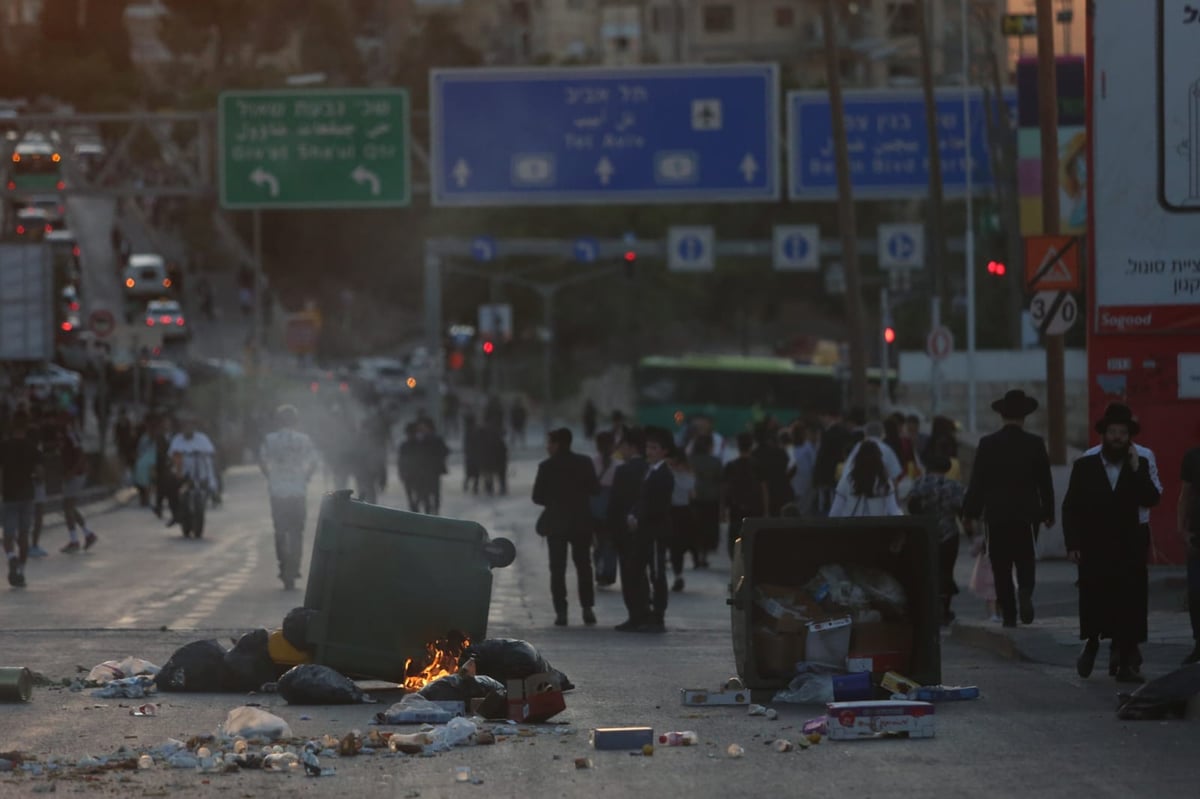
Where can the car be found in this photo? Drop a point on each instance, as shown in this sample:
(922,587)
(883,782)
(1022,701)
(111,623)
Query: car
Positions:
(168,315)
(32,223)
(64,250)
(145,275)
(386,378)
(55,206)
(43,381)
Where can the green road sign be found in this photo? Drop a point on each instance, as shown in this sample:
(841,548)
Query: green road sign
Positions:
(341,148)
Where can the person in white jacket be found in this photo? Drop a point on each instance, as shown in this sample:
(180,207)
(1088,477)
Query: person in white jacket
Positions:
(288,459)
(866,489)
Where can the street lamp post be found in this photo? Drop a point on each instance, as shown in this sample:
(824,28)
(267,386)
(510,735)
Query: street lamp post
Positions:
(972,387)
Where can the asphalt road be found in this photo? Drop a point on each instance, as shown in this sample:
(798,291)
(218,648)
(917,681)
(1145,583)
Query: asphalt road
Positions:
(1037,729)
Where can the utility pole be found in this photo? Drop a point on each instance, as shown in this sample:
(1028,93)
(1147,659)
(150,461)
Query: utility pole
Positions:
(1056,401)
(934,222)
(846,221)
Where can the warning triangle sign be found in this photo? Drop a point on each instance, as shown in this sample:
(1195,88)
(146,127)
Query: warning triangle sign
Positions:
(1057,272)
(1051,263)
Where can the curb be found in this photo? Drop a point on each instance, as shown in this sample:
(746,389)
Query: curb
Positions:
(1028,645)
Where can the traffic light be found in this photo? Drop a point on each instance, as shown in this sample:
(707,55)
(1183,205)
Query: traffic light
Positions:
(889,335)
(489,347)
(456,360)
(997,268)
(630,258)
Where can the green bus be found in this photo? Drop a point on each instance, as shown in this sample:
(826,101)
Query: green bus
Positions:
(36,168)
(735,391)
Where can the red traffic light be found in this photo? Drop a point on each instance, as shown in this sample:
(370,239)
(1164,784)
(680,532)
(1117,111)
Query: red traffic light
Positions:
(996,268)
(457,360)
(889,335)
(488,347)
(630,256)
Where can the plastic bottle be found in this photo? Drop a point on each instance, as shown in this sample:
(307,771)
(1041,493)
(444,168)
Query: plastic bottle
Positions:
(145,762)
(683,738)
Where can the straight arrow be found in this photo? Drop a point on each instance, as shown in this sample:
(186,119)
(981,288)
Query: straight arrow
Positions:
(604,170)
(749,168)
(363,175)
(261,177)
(461,173)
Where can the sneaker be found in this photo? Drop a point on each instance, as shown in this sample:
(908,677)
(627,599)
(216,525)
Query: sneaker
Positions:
(71,548)
(37,552)
(89,540)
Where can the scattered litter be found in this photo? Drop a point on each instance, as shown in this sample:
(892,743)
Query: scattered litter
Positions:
(855,720)
(147,709)
(617,738)
(784,745)
(852,687)
(757,710)
(414,709)
(110,670)
(311,684)
(248,666)
(462,774)
(505,659)
(183,760)
(89,762)
(198,666)
(727,696)
(583,763)
(535,699)
(280,761)
(815,726)
(946,693)
(253,722)
(409,744)
(772,714)
(735,751)
(683,738)
(807,689)
(458,732)
(126,688)
(145,762)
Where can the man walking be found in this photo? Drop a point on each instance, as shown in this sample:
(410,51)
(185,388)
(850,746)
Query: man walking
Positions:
(289,460)
(1104,537)
(835,443)
(20,467)
(649,533)
(1187,514)
(1011,489)
(627,484)
(564,486)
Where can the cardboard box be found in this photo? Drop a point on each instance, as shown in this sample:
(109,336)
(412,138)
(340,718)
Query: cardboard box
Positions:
(894,683)
(880,646)
(828,642)
(622,738)
(535,699)
(878,662)
(848,721)
(776,653)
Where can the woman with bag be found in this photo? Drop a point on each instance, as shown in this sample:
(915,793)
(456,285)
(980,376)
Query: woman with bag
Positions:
(865,490)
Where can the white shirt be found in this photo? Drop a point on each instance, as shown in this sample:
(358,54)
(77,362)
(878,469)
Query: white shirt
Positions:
(196,456)
(847,503)
(890,461)
(288,459)
(1146,454)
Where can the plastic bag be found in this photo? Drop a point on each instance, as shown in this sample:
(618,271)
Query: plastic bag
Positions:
(460,688)
(127,688)
(882,589)
(457,732)
(254,722)
(1163,698)
(295,628)
(111,670)
(414,709)
(249,664)
(507,659)
(807,689)
(198,666)
(832,584)
(311,684)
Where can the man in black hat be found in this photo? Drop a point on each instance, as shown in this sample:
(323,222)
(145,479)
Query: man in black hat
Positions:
(1011,489)
(1105,538)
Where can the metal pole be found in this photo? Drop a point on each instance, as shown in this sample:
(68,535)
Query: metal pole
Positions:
(935,218)
(885,321)
(972,386)
(935,369)
(255,298)
(1056,400)
(433,323)
(548,354)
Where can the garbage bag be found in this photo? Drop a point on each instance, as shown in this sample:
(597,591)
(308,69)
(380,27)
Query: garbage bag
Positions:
(414,709)
(127,688)
(832,583)
(111,670)
(457,732)
(1162,698)
(884,591)
(312,684)
(249,663)
(807,689)
(255,723)
(199,666)
(461,687)
(295,628)
(507,659)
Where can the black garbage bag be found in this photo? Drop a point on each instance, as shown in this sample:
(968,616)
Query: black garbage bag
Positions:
(199,666)
(311,684)
(461,688)
(507,659)
(250,664)
(295,628)
(1164,698)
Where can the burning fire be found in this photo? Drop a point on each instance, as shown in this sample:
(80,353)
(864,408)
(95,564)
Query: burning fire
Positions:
(441,659)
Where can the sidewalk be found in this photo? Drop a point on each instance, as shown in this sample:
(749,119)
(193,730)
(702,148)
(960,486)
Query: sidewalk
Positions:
(1053,638)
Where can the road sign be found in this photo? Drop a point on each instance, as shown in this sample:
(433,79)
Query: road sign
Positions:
(691,249)
(902,246)
(496,320)
(1053,312)
(939,343)
(889,148)
(1052,263)
(586,250)
(483,249)
(797,248)
(594,135)
(1019,25)
(340,148)
(102,322)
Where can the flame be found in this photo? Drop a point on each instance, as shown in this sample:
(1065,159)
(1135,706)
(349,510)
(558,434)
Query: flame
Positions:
(441,659)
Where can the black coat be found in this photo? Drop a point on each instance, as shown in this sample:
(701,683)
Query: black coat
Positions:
(627,485)
(1101,523)
(564,486)
(653,507)
(1010,481)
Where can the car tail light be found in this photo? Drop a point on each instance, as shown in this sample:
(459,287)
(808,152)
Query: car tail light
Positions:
(74,306)
(49,228)
(16,158)
(12,184)
(167,283)
(20,230)
(149,321)
(75,252)
(62,184)
(66,326)
(179,321)
(343,387)
(130,282)
(314,387)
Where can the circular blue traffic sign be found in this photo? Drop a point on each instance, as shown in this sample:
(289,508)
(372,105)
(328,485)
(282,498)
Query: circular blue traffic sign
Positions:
(795,247)
(586,250)
(901,246)
(483,249)
(691,248)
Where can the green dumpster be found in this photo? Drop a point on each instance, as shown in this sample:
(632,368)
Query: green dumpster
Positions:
(386,582)
(782,555)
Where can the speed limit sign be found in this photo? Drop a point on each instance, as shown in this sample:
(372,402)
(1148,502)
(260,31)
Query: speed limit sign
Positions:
(1053,312)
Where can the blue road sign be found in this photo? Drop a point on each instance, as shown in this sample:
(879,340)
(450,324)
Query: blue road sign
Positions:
(889,146)
(586,250)
(691,248)
(483,248)
(591,135)
(795,247)
(901,246)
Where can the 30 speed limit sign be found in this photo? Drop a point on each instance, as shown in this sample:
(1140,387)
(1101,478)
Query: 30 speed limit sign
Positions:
(1053,312)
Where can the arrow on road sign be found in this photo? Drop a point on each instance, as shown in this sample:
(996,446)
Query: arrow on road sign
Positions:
(484,248)
(261,177)
(363,175)
(901,246)
(749,168)
(690,248)
(461,173)
(586,250)
(605,171)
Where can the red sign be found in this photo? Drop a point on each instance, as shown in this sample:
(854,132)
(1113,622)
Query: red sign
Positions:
(1051,263)
(102,322)
(939,343)
(1148,319)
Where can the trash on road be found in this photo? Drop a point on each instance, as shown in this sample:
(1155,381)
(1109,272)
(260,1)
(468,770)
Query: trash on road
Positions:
(696,697)
(110,670)
(127,688)
(249,665)
(848,721)
(311,684)
(808,688)
(414,709)
(735,751)
(255,723)
(893,683)
(1162,698)
(535,698)
(757,710)
(622,738)
(853,687)
(946,693)
(147,709)
(198,667)
(16,684)
(458,732)
(783,745)
(462,773)
(679,738)
(505,659)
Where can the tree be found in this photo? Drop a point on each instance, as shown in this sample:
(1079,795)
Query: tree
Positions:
(233,29)
(437,44)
